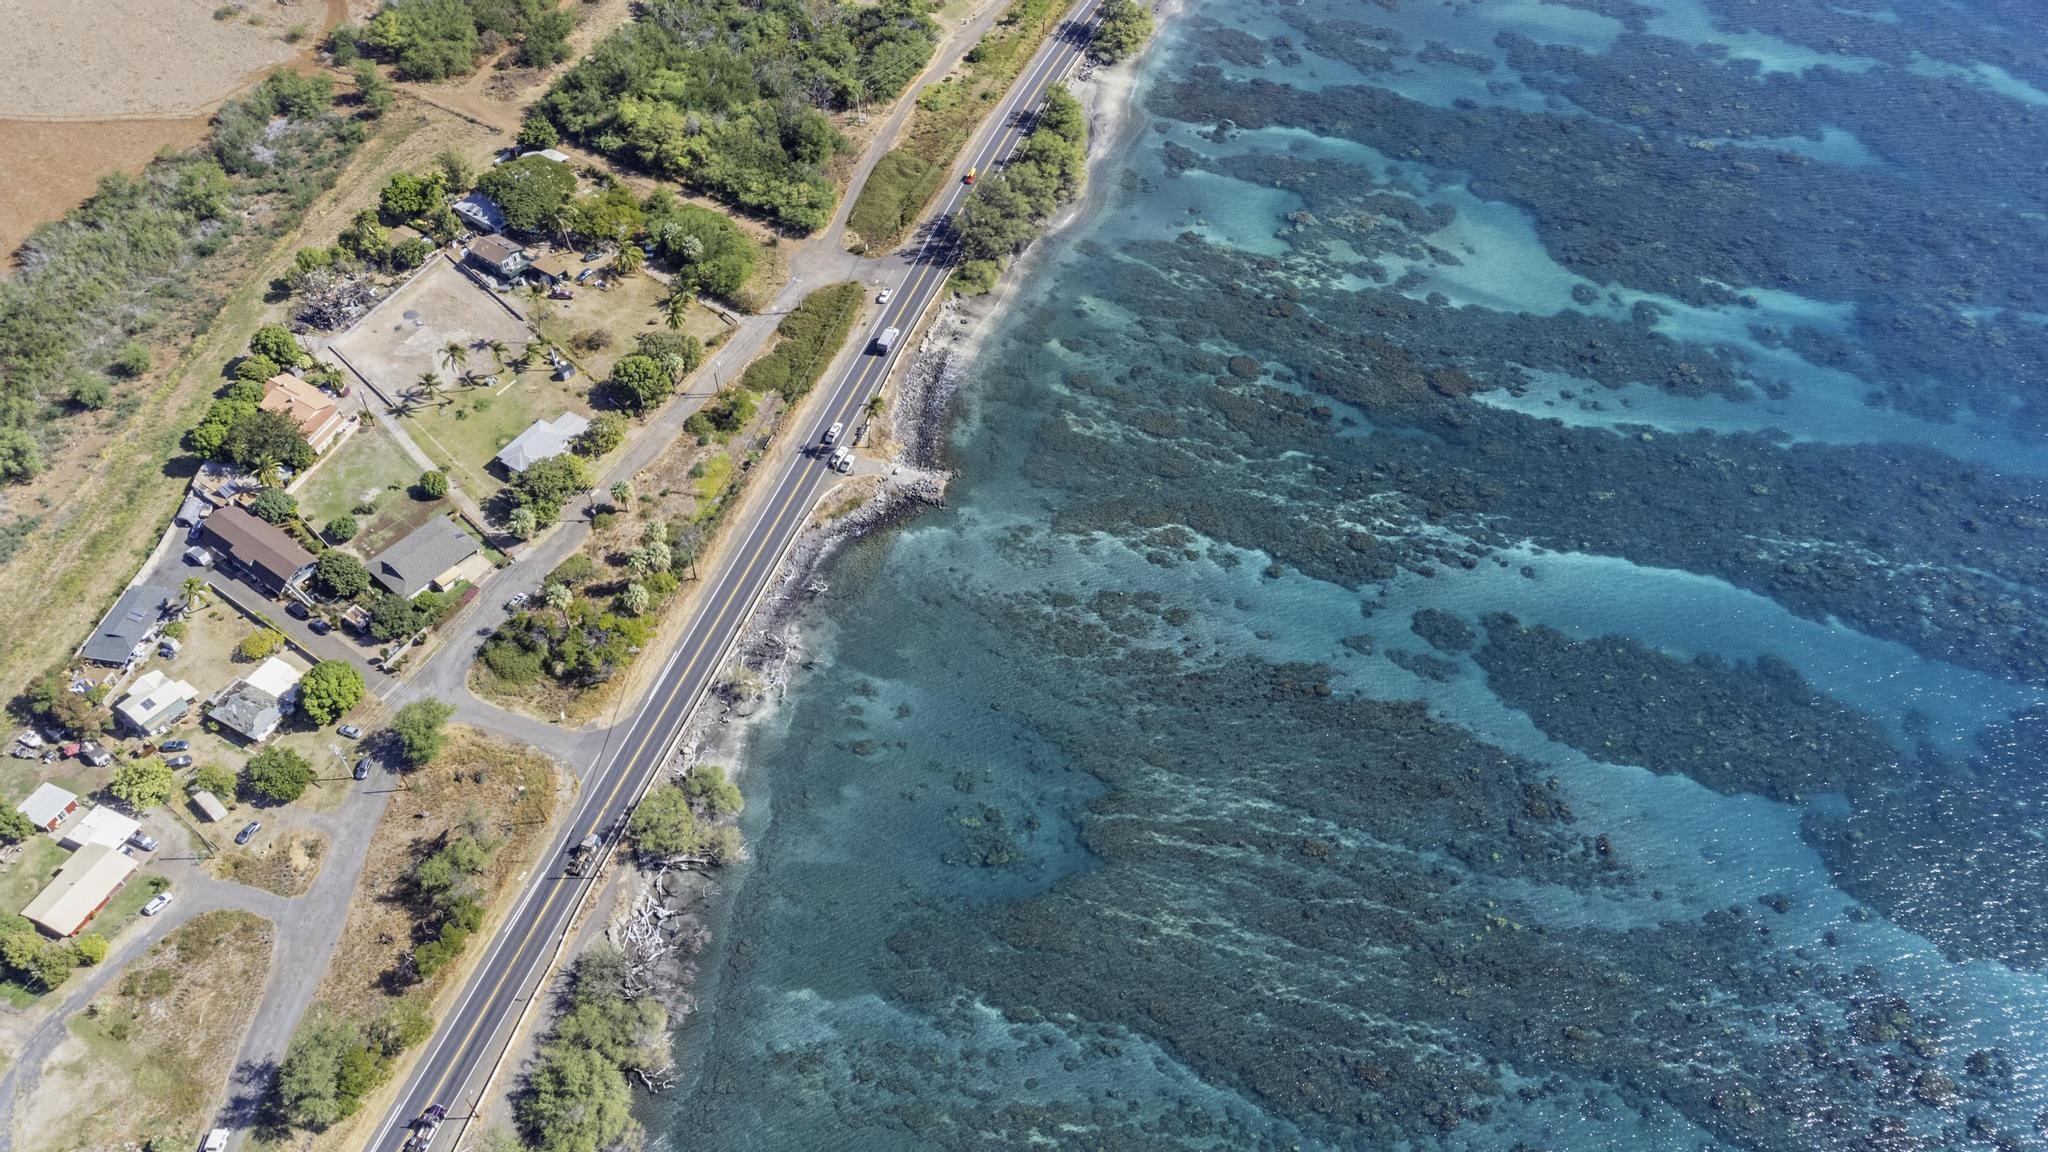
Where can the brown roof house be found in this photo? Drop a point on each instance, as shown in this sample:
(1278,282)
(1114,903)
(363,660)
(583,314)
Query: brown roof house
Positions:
(315,412)
(499,256)
(434,555)
(269,558)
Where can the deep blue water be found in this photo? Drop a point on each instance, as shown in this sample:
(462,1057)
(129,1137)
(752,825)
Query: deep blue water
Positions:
(1493,599)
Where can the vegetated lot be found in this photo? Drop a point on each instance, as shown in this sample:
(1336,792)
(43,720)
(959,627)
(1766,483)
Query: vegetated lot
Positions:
(632,305)
(148,1060)
(368,468)
(285,861)
(947,112)
(460,425)
(447,853)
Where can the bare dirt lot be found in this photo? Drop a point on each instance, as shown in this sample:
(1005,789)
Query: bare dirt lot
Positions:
(151,1056)
(284,862)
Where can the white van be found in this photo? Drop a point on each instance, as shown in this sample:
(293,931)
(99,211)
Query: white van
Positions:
(832,433)
(216,1141)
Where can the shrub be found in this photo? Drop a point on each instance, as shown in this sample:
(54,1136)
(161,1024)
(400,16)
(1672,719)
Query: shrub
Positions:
(605,433)
(91,392)
(215,779)
(706,784)
(529,190)
(341,575)
(340,530)
(278,773)
(274,505)
(431,485)
(91,947)
(259,645)
(640,382)
(806,341)
(276,342)
(417,728)
(15,827)
(133,359)
(664,824)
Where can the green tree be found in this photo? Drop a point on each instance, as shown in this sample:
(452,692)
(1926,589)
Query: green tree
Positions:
(549,484)
(418,729)
(278,773)
(20,458)
(629,260)
(622,494)
(215,779)
(411,195)
(144,783)
(320,1066)
(14,827)
(537,132)
(606,432)
(432,485)
(329,690)
(372,89)
(675,308)
(522,523)
(455,356)
(277,342)
(133,359)
(340,530)
(341,575)
(274,505)
(531,191)
(91,947)
(1123,28)
(640,382)
(256,369)
(635,600)
(257,438)
(664,825)
(457,174)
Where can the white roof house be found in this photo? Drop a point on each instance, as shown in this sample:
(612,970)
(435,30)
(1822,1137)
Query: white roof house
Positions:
(101,826)
(542,440)
(82,887)
(47,806)
(255,704)
(155,702)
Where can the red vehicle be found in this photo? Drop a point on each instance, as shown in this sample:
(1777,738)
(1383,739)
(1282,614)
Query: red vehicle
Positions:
(970,176)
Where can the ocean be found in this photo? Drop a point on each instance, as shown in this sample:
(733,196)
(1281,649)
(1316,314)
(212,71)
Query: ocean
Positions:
(1492,599)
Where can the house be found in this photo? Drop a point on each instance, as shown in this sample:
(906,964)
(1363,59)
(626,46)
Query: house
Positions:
(155,702)
(81,887)
(434,555)
(499,256)
(316,413)
(130,625)
(209,806)
(255,704)
(542,440)
(552,269)
(481,213)
(262,552)
(102,825)
(47,806)
(548,154)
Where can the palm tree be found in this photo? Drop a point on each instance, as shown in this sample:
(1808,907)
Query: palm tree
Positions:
(497,350)
(527,352)
(195,593)
(629,260)
(428,384)
(470,379)
(270,474)
(689,540)
(676,309)
(454,354)
(875,405)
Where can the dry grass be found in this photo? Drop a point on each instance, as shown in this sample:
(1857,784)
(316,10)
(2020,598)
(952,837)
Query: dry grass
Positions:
(150,1057)
(285,863)
(510,790)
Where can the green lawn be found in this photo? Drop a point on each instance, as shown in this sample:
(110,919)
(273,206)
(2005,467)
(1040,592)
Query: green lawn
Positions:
(364,468)
(465,427)
(127,904)
(19,884)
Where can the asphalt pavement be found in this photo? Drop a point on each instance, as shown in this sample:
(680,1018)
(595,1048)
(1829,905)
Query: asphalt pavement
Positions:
(461,1057)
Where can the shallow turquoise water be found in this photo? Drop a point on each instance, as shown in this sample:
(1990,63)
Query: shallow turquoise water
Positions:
(1099,819)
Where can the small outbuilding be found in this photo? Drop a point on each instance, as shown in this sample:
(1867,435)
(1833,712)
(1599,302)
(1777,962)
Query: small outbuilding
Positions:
(434,555)
(47,806)
(82,887)
(542,440)
(480,212)
(551,269)
(209,806)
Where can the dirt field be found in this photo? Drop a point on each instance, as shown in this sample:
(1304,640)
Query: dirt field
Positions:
(68,159)
(150,1057)
(510,789)
(285,862)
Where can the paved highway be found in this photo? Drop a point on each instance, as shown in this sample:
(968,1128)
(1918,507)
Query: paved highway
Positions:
(462,1054)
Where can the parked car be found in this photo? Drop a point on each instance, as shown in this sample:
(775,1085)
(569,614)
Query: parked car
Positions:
(842,460)
(592,257)
(216,1141)
(362,771)
(179,761)
(320,627)
(518,601)
(198,557)
(158,903)
(886,295)
(298,611)
(144,841)
(175,746)
(248,832)
(350,732)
